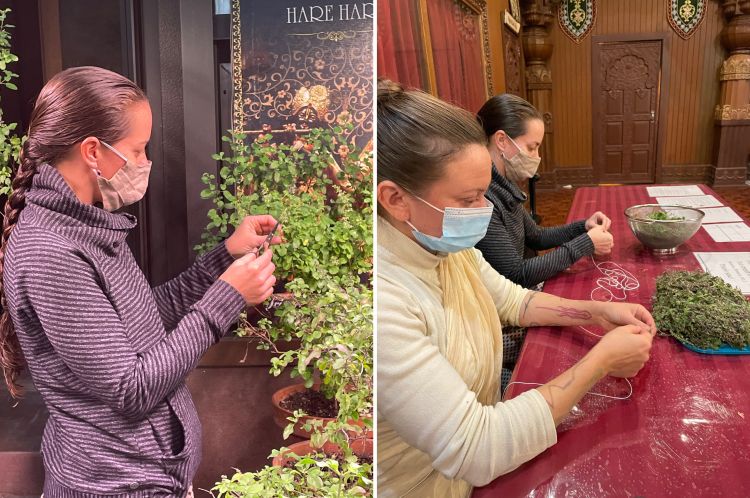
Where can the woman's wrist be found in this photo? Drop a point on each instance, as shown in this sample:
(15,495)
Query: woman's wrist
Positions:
(232,248)
(585,312)
(600,360)
(596,309)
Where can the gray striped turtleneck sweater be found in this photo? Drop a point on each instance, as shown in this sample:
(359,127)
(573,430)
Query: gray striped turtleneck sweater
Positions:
(511,229)
(108,353)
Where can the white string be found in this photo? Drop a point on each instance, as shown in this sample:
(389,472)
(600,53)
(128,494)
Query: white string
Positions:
(615,279)
(630,390)
(630,386)
(589,332)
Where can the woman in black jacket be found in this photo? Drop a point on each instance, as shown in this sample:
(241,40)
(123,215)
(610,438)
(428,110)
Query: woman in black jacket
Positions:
(515,131)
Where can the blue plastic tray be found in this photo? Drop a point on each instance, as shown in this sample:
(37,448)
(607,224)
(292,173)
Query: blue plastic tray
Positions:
(723,349)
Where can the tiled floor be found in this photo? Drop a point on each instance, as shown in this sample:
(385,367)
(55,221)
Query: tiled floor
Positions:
(738,198)
(553,206)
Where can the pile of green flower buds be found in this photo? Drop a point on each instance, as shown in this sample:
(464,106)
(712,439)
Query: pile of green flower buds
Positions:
(701,309)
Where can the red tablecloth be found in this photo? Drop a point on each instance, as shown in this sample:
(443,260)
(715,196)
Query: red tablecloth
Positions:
(685,431)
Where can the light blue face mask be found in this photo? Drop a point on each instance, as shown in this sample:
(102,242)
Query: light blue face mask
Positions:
(462,228)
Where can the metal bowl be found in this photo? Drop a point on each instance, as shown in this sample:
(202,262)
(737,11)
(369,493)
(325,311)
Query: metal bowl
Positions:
(663,236)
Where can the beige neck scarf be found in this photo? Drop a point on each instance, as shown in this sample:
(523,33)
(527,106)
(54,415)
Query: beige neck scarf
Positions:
(473,338)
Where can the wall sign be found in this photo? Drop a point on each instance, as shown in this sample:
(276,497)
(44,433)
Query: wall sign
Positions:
(300,65)
(685,15)
(577,18)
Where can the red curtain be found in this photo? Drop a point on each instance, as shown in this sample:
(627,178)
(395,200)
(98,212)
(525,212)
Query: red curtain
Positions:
(399,44)
(457,51)
(456,38)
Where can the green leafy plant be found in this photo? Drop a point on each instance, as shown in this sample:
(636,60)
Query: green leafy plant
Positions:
(10,143)
(662,229)
(320,188)
(257,175)
(701,309)
(327,240)
(314,476)
(334,330)
(663,215)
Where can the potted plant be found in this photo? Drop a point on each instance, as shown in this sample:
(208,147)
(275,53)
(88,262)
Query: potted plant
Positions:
(320,188)
(333,359)
(306,472)
(234,371)
(319,185)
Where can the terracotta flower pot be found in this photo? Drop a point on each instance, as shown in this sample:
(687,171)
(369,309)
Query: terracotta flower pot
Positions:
(280,414)
(362,448)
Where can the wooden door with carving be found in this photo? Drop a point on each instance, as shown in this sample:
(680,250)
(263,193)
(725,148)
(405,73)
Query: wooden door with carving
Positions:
(626,80)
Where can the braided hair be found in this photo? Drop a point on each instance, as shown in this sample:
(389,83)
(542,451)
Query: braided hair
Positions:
(11,358)
(75,104)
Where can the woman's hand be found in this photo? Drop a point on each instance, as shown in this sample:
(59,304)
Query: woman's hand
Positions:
(252,276)
(620,353)
(624,350)
(603,241)
(612,315)
(598,218)
(250,234)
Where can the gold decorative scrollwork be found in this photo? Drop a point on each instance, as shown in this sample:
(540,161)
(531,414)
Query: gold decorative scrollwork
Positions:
(236,40)
(685,15)
(335,36)
(576,18)
(475,6)
(298,81)
(486,45)
(731,112)
(687,11)
(736,67)
(577,15)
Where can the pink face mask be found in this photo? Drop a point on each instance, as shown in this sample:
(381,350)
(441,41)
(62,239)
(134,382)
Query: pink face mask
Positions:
(127,186)
(521,166)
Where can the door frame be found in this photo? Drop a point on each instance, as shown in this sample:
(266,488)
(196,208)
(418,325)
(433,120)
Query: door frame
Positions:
(661,100)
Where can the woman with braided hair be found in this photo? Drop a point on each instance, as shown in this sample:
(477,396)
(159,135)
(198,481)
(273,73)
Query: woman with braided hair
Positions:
(107,353)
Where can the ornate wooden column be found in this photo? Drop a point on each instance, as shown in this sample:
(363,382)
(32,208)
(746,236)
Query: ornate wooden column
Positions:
(537,49)
(732,131)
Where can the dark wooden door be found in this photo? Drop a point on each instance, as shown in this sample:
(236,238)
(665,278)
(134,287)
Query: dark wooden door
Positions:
(626,80)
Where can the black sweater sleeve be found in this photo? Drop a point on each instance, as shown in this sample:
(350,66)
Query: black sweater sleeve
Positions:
(541,238)
(498,248)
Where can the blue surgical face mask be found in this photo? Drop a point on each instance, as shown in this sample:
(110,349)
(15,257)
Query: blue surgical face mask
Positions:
(462,228)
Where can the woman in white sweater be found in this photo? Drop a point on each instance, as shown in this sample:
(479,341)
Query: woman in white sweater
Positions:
(441,426)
